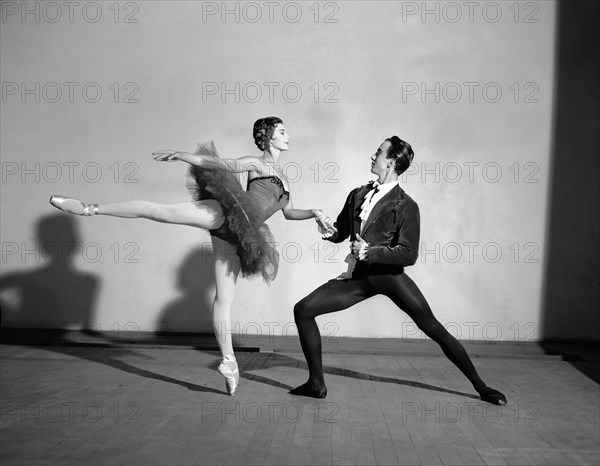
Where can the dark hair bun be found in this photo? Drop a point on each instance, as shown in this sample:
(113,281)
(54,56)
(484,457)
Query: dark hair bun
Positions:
(263,131)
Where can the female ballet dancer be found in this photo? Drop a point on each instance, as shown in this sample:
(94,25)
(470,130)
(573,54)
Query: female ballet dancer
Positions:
(231,214)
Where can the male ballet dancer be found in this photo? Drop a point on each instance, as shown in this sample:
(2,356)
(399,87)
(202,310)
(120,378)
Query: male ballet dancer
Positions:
(382,222)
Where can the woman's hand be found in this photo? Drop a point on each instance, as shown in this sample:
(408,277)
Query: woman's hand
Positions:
(166,155)
(325,224)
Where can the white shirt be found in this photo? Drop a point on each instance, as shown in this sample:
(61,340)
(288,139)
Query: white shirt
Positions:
(373,198)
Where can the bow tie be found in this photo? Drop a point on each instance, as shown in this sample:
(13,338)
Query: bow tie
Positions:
(374,190)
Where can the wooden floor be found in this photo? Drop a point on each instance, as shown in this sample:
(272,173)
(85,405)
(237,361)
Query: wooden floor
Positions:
(125,405)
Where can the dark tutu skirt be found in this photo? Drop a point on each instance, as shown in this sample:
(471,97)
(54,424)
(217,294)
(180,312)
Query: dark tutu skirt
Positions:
(244,226)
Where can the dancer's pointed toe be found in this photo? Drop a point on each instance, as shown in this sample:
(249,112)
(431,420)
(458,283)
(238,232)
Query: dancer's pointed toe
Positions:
(307,390)
(493,396)
(229,369)
(73,206)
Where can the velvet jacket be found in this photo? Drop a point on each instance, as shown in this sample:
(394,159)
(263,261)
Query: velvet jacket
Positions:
(392,230)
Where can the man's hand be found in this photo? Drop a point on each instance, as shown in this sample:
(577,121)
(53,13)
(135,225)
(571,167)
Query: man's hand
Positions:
(326,234)
(360,248)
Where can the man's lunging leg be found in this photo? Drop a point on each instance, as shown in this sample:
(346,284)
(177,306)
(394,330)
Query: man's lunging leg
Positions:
(405,293)
(334,295)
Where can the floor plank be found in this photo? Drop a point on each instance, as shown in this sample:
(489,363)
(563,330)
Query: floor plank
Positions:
(148,406)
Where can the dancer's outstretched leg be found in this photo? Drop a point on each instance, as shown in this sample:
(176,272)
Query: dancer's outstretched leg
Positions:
(227,268)
(201,214)
(407,296)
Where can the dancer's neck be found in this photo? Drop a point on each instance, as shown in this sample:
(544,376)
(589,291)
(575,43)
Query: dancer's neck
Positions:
(390,177)
(271,156)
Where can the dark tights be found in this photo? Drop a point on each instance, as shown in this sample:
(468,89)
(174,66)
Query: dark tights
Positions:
(336,295)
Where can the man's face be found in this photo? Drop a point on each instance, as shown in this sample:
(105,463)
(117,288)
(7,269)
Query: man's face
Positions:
(380,164)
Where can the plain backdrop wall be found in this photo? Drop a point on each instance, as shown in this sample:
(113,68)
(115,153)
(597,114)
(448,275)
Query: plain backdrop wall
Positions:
(89,91)
(572,267)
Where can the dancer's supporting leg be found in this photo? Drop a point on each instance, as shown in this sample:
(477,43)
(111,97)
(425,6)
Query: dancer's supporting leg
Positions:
(227,266)
(205,214)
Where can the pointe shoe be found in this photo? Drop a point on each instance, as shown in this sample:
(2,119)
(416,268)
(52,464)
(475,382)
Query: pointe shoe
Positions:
(305,390)
(229,369)
(73,206)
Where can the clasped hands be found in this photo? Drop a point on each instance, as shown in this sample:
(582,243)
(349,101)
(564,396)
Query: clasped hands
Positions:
(359,248)
(324,224)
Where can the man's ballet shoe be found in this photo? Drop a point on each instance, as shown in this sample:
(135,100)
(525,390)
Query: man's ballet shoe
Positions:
(492,396)
(305,390)
(229,369)
(73,206)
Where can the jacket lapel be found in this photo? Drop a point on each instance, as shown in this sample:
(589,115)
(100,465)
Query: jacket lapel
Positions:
(359,200)
(384,205)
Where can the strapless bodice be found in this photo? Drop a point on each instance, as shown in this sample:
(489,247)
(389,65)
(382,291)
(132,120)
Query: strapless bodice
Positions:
(270,193)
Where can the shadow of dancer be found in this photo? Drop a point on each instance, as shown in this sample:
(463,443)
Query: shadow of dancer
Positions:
(192,312)
(55,295)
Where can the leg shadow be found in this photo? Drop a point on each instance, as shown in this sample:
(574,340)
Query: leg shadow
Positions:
(115,362)
(260,361)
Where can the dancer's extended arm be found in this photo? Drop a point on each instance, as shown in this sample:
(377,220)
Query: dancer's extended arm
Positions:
(241,165)
(324,223)
(291,213)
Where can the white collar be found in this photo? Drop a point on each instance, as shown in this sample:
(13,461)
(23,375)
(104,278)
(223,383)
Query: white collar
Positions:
(385,187)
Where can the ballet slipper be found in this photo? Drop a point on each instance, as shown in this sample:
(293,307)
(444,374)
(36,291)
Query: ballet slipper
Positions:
(307,390)
(73,206)
(229,369)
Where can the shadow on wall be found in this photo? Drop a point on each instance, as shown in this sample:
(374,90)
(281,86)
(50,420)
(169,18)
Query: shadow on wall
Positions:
(55,295)
(58,296)
(192,312)
(571,293)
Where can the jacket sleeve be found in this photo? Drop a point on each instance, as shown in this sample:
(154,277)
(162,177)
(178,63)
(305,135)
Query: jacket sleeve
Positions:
(405,252)
(344,221)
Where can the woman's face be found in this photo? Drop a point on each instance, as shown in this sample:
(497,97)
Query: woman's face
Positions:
(280,138)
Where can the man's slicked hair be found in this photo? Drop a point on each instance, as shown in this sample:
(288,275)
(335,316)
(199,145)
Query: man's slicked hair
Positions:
(400,151)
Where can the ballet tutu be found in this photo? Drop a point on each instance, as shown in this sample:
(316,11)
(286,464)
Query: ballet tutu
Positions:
(244,226)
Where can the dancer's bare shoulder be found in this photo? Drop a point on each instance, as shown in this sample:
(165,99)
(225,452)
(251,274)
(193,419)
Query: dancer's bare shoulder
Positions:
(245,164)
